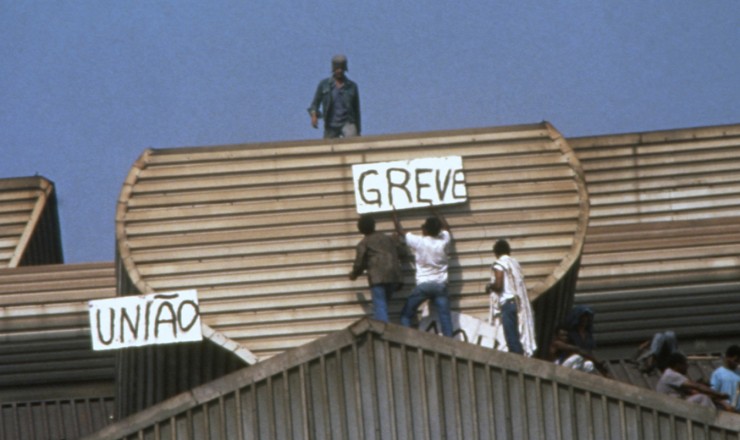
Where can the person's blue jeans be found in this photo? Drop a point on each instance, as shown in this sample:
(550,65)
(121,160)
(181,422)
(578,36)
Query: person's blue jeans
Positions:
(437,294)
(381,294)
(510,321)
(347,130)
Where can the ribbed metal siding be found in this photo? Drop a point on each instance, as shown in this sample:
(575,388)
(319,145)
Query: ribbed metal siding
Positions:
(54,419)
(29,223)
(664,232)
(373,382)
(148,375)
(266,233)
(45,329)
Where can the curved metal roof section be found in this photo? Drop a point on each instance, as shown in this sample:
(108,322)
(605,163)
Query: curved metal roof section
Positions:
(664,234)
(266,232)
(28,209)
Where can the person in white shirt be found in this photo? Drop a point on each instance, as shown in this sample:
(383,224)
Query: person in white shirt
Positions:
(510,307)
(431,255)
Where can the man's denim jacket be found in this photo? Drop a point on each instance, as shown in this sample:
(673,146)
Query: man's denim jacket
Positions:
(322,100)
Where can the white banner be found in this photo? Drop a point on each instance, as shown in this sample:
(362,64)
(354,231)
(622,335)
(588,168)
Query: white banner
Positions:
(466,328)
(134,321)
(416,183)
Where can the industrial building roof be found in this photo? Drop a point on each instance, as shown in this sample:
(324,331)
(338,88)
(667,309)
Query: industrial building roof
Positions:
(654,214)
(266,232)
(661,251)
(380,381)
(29,224)
(52,384)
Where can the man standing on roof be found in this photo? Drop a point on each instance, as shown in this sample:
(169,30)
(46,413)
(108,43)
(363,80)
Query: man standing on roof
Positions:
(431,254)
(337,101)
(379,255)
(509,302)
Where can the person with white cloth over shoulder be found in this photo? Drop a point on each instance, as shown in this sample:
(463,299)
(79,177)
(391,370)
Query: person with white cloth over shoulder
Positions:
(510,307)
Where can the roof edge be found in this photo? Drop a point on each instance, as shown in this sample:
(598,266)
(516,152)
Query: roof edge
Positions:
(47,191)
(426,341)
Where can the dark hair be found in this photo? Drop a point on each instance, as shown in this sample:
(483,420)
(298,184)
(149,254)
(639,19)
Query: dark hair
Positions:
(733,351)
(432,226)
(501,247)
(366,225)
(339,61)
(676,358)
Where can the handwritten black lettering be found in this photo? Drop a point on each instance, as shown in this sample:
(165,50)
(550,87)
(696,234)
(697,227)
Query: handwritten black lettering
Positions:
(133,328)
(180,314)
(159,320)
(100,330)
(363,191)
(459,183)
(163,318)
(460,332)
(442,186)
(421,185)
(432,326)
(148,314)
(403,185)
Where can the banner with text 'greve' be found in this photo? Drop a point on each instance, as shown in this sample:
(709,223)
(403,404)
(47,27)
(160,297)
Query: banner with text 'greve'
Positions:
(415,183)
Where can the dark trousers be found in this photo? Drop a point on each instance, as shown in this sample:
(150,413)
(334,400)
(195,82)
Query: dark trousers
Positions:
(510,320)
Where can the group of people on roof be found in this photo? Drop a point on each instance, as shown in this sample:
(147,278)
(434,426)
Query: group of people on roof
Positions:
(381,255)
(662,353)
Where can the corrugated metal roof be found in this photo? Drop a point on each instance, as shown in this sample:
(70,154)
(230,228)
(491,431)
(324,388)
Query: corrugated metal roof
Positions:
(44,330)
(266,232)
(29,225)
(388,382)
(661,250)
(54,419)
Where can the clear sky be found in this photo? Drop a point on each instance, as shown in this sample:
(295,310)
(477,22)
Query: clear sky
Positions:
(87,85)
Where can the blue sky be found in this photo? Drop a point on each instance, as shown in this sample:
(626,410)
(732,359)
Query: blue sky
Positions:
(87,85)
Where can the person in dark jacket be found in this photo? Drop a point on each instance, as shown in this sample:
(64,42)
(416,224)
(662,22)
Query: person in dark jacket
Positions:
(379,255)
(337,101)
(580,326)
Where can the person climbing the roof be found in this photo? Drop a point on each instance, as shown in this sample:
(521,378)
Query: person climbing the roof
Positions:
(379,255)
(431,252)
